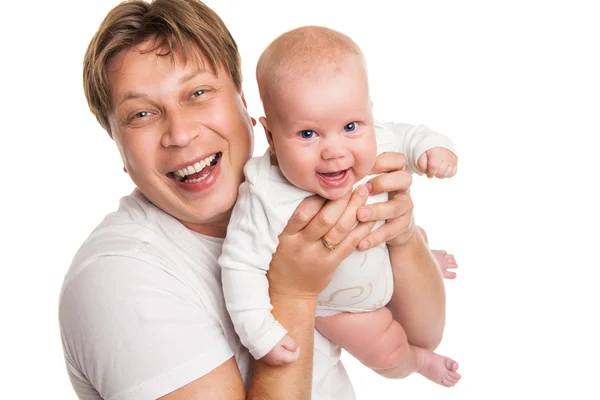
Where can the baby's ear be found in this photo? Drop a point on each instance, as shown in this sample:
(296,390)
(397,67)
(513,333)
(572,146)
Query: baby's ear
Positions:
(268,134)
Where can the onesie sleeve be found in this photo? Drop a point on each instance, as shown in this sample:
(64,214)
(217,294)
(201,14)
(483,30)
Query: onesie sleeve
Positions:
(252,238)
(132,331)
(414,140)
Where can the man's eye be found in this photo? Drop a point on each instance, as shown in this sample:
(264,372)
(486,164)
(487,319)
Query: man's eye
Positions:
(141,114)
(198,93)
(306,134)
(351,127)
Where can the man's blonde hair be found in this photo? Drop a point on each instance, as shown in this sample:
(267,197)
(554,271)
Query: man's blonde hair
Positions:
(186,24)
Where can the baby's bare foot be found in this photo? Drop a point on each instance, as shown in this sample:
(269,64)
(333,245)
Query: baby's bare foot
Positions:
(446,262)
(286,351)
(439,369)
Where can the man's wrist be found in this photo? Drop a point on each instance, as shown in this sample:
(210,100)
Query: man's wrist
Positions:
(297,302)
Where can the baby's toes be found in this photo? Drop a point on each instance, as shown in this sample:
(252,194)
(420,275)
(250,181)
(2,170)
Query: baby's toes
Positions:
(451,365)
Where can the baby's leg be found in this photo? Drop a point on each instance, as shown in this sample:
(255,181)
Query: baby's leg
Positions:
(379,342)
(445,260)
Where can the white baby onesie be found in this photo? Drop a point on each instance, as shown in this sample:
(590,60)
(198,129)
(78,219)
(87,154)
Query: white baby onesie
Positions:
(266,201)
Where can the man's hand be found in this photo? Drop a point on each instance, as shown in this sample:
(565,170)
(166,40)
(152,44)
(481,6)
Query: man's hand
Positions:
(302,266)
(397,211)
(438,162)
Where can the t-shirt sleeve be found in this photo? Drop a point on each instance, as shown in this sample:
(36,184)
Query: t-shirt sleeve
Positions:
(133,331)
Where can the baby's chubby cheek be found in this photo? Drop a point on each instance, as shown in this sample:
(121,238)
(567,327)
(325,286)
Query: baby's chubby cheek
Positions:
(366,167)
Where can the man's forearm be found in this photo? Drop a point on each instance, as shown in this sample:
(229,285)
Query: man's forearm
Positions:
(292,381)
(419,301)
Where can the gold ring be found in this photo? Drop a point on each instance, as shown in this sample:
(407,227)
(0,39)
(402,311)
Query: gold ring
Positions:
(326,244)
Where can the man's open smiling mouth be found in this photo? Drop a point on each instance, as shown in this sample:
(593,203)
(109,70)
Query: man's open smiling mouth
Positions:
(198,171)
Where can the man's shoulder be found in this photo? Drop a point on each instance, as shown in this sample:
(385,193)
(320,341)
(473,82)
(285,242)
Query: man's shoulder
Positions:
(123,232)
(138,281)
(141,234)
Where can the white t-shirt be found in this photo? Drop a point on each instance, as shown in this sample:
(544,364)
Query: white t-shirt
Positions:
(142,314)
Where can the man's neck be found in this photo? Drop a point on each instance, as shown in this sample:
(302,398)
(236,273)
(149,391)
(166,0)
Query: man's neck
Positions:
(216,228)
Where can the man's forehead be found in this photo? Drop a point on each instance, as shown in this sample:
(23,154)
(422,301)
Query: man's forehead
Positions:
(133,74)
(193,60)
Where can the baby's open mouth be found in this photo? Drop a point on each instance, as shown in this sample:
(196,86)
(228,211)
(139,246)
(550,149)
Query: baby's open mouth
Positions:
(334,178)
(337,175)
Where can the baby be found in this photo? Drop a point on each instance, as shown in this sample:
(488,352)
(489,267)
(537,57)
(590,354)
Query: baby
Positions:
(323,140)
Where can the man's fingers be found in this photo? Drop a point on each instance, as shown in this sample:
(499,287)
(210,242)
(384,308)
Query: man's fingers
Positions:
(348,219)
(324,221)
(393,208)
(391,182)
(403,226)
(387,162)
(350,242)
(304,213)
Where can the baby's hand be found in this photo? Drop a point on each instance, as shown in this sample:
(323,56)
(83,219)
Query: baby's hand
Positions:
(286,351)
(438,162)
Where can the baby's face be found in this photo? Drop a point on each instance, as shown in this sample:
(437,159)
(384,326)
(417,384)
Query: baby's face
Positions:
(322,132)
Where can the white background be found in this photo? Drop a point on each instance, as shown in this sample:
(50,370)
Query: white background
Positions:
(514,83)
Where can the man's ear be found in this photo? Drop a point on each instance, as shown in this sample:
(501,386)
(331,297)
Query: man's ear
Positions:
(253,120)
(268,134)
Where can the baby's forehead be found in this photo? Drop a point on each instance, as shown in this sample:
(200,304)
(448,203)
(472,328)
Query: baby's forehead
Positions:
(320,72)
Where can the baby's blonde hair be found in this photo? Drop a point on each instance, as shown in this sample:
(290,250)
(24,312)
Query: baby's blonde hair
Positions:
(300,54)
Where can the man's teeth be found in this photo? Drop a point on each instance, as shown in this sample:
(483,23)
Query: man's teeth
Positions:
(197,167)
(203,177)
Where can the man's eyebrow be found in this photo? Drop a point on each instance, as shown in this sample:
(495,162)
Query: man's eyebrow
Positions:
(192,75)
(131,96)
(184,79)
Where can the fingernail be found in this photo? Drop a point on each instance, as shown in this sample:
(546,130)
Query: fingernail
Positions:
(364,213)
(369,187)
(362,190)
(364,245)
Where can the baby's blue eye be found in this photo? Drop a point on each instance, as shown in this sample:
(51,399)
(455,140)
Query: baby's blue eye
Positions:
(306,134)
(352,126)
(198,93)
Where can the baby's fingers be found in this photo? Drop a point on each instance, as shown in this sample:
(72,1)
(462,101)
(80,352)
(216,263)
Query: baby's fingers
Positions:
(442,170)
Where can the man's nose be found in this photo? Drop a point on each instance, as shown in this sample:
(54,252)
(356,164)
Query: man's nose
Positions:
(181,129)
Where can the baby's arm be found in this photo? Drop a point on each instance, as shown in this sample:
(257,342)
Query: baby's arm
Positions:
(427,152)
(251,240)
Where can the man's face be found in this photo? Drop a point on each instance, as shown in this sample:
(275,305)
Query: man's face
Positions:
(183,132)
(322,131)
